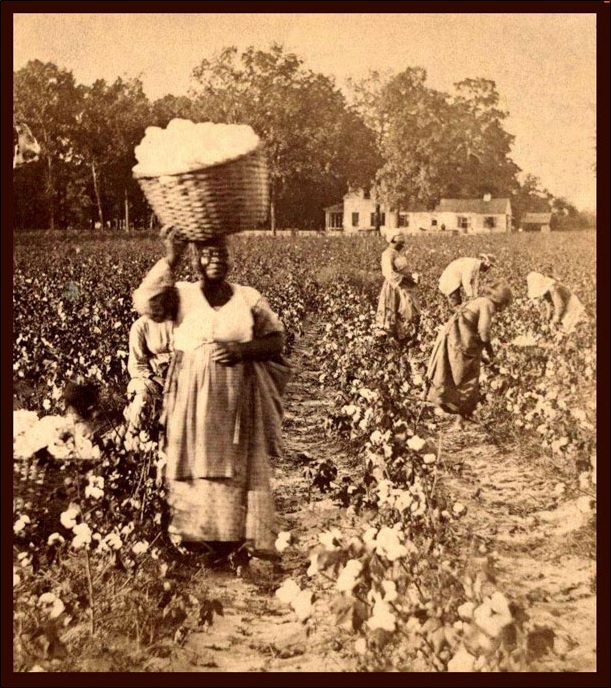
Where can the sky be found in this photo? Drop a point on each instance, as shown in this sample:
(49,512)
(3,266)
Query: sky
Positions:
(544,65)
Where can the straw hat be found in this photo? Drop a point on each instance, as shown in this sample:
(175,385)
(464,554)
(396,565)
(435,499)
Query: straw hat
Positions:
(538,284)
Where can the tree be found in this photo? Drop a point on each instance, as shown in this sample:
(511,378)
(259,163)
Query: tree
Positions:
(482,162)
(434,144)
(300,115)
(169,107)
(111,123)
(46,97)
(530,197)
(366,96)
(416,145)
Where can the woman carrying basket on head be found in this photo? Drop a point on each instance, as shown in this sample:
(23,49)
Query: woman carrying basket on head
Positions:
(460,348)
(222,405)
(398,311)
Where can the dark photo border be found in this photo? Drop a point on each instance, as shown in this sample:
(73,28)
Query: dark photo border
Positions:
(601,9)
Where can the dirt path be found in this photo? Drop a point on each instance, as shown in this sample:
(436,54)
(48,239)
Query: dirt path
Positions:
(541,537)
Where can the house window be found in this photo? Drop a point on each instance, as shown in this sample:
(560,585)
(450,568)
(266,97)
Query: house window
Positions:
(366,195)
(403,220)
(337,220)
(433,222)
(382,219)
(490,222)
(462,222)
(355,219)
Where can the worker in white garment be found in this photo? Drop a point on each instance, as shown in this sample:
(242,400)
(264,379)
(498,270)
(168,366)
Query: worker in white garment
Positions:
(464,273)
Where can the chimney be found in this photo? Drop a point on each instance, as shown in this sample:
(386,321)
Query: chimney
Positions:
(487,197)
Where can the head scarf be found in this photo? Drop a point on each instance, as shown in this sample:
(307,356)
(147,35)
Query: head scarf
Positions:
(488,259)
(538,284)
(397,236)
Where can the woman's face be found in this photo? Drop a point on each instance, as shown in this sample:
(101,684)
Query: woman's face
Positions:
(213,262)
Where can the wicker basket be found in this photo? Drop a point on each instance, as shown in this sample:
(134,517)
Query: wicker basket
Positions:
(220,199)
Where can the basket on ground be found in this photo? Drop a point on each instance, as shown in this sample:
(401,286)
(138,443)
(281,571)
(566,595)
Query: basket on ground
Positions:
(220,199)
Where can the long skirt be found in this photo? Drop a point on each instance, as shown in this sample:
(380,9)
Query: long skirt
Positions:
(398,312)
(222,423)
(454,367)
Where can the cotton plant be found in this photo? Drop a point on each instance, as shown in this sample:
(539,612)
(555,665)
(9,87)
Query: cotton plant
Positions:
(63,437)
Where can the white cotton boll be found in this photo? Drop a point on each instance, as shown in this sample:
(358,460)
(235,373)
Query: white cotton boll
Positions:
(185,146)
(151,133)
(178,125)
(140,153)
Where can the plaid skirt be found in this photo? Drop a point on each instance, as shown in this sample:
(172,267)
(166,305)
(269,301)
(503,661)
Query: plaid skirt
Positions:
(222,423)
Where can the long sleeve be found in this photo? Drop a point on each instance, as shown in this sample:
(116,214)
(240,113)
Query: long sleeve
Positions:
(470,278)
(388,270)
(484,324)
(138,362)
(558,304)
(548,307)
(266,321)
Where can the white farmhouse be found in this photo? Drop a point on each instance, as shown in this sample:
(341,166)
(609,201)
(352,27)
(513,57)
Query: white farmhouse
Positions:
(484,215)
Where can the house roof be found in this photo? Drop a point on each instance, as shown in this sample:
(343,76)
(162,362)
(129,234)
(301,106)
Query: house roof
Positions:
(495,206)
(337,208)
(536,218)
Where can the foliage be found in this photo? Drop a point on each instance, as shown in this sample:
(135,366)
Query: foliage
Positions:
(111,122)
(46,97)
(93,556)
(414,144)
(435,144)
(313,140)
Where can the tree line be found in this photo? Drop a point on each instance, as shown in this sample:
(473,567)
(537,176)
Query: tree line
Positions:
(391,132)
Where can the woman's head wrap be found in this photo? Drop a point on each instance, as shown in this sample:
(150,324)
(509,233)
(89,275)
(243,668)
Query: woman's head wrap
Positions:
(488,259)
(538,284)
(397,237)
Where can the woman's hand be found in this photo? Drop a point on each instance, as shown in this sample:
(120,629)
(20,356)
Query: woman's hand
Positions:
(489,353)
(227,353)
(258,349)
(174,246)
